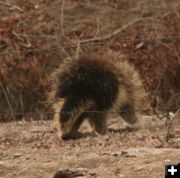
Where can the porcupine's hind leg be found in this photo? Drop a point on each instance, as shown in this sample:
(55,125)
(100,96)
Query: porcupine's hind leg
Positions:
(98,122)
(71,116)
(127,112)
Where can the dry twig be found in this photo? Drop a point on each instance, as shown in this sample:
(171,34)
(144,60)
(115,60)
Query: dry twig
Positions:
(11,6)
(23,37)
(78,49)
(109,36)
(62,18)
(169,124)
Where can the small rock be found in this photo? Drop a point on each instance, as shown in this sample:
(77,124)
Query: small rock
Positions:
(12,8)
(70,173)
(17,155)
(167,160)
(139,168)
(124,153)
(36,6)
(128,154)
(139,46)
(2,163)
(60,174)
(150,169)
(92,173)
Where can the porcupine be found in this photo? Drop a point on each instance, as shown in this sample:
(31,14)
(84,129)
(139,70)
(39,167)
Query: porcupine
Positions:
(92,86)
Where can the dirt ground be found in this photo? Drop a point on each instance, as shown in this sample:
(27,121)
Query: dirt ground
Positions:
(32,150)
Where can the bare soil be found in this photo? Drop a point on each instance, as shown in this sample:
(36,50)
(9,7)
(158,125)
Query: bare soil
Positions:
(33,150)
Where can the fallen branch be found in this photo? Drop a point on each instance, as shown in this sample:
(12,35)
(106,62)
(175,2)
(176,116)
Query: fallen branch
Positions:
(79,41)
(109,36)
(12,6)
